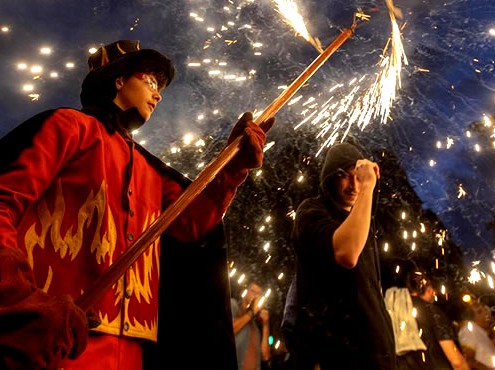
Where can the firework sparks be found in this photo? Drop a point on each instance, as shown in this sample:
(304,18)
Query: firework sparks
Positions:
(358,107)
(288,9)
(380,96)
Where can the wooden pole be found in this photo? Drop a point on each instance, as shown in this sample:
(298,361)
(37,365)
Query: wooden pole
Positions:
(118,268)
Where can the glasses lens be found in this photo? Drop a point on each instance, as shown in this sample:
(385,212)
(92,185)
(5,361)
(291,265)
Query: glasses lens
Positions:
(150,80)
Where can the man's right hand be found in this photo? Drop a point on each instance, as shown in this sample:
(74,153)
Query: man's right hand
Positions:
(367,172)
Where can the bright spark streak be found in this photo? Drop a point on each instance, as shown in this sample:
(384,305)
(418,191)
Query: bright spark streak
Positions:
(450,142)
(359,108)
(379,98)
(28,87)
(490,281)
(45,51)
(288,9)
(268,146)
(474,276)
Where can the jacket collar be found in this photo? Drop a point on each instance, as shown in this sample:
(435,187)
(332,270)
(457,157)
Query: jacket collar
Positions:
(115,119)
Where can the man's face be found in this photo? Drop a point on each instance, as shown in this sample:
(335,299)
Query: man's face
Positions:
(253,291)
(429,295)
(139,90)
(347,187)
(482,315)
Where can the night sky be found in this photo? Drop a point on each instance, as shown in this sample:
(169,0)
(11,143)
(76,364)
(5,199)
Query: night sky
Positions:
(235,56)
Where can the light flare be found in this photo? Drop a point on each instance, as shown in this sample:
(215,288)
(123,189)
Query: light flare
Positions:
(289,10)
(474,276)
(460,191)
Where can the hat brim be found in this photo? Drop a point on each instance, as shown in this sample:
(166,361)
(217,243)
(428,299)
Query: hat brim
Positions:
(152,59)
(97,81)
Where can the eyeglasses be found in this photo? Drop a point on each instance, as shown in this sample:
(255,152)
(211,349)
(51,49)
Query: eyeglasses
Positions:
(150,80)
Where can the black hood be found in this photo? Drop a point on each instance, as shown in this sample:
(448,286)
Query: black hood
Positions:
(338,156)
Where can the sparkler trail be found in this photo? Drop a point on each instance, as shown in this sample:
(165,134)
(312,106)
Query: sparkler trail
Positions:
(289,10)
(357,108)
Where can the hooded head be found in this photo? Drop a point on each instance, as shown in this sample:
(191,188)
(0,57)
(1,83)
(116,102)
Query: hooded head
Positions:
(339,157)
(121,59)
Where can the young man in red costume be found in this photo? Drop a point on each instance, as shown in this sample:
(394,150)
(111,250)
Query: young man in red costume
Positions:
(75,192)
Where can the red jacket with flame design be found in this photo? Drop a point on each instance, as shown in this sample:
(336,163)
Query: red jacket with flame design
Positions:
(76,197)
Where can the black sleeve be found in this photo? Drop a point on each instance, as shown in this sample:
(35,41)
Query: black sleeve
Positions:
(442,326)
(195,326)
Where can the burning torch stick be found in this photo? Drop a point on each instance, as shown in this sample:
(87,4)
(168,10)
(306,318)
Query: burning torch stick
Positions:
(117,269)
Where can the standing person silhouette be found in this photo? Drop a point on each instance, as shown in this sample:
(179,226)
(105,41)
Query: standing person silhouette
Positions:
(437,331)
(249,315)
(474,336)
(340,321)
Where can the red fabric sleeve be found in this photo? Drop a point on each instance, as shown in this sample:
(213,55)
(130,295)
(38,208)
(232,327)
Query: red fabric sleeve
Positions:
(25,179)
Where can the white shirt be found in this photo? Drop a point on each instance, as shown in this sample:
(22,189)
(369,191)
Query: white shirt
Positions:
(473,336)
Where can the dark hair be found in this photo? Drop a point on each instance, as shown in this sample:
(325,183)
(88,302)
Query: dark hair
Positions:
(417,282)
(144,66)
(471,309)
(467,312)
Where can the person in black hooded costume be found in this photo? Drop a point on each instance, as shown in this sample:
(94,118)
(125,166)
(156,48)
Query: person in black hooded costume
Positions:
(335,314)
(75,192)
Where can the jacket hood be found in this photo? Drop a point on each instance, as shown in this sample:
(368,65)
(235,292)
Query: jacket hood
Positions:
(339,156)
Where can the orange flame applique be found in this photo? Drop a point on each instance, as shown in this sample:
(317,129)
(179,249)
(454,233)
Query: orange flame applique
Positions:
(139,281)
(70,244)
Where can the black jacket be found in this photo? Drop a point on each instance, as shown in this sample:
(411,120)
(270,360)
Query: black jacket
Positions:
(341,312)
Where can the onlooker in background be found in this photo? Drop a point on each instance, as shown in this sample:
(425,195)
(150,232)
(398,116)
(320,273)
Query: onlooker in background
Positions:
(341,321)
(437,331)
(252,345)
(407,336)
(475,342)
